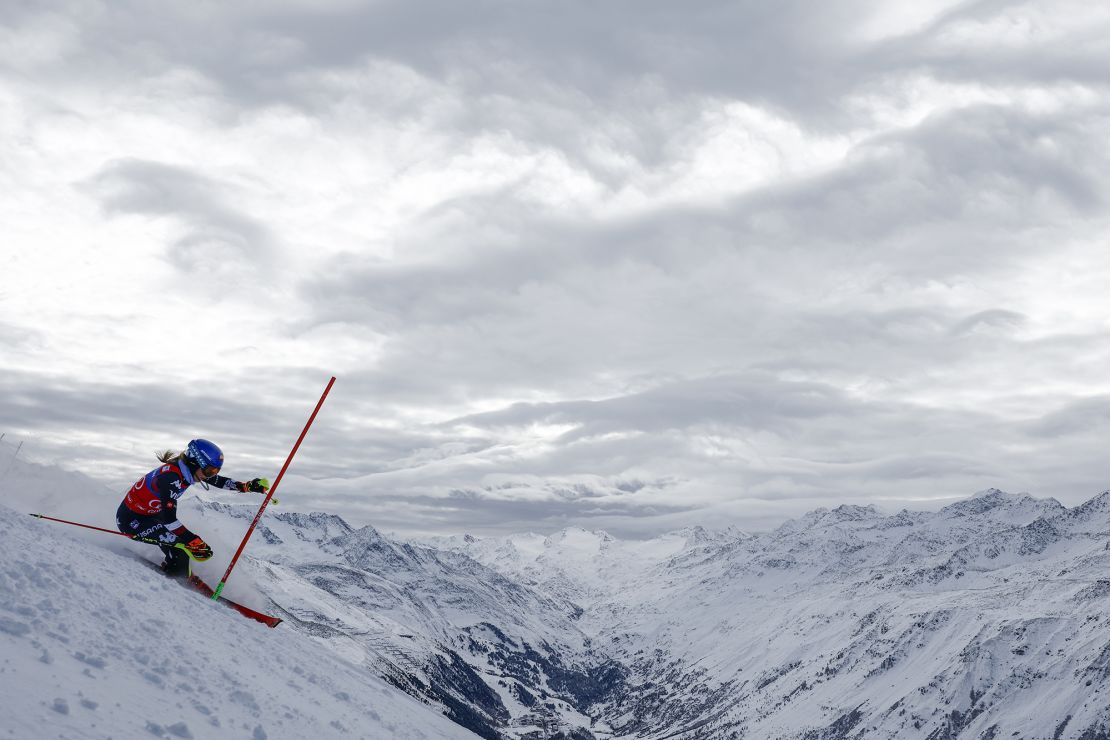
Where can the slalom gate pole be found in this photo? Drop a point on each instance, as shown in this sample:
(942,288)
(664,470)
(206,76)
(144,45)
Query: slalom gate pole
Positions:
(270,493)
(100,529)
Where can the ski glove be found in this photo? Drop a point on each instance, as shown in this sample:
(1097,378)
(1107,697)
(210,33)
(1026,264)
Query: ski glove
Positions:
(196,548)
(257,485)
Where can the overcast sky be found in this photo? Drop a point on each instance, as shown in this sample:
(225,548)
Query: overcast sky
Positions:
(631,265)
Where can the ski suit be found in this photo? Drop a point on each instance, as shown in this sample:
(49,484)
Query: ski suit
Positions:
(150,508)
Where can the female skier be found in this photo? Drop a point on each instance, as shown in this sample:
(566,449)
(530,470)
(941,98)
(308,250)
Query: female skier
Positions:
(150,508)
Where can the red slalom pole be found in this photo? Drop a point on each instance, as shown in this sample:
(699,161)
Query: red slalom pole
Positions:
(79,524)
(135,537)
(270,493)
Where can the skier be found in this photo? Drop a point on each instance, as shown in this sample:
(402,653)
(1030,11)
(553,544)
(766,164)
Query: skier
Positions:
(150,508)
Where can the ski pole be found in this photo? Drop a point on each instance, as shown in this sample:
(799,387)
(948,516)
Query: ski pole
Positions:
(101,529)
(270,493)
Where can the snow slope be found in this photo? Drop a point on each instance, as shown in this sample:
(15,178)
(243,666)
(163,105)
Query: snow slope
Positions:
(95,644)
(491,654)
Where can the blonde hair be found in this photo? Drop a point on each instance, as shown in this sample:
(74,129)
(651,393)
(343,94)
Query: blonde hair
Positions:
(169,456)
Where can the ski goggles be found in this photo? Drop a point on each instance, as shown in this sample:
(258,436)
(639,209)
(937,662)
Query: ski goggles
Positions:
(209,470)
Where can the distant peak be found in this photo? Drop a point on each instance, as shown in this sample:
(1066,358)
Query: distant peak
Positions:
(993,493)
(580,532)
(314,519)
(854,512)
(1101,502)
(695,530)
(993,498)
(824,516)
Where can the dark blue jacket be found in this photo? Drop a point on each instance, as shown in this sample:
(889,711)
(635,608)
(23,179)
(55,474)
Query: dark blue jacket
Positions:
(157,492)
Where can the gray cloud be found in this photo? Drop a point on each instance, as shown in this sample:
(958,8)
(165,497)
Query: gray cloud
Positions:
(1077,418)
(753,402)
(213,233)
(738,48)
(611,76)
(660,344)
(1045,57)
(477,514)
(123,422)
(15,336)
(989,320)
(567,300)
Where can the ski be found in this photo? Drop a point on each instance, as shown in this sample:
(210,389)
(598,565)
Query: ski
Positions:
(246,611)
(195,583)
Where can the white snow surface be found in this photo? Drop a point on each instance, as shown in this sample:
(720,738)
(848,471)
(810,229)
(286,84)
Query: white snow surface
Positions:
(95,644)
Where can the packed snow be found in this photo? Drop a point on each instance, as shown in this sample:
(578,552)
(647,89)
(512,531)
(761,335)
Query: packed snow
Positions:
(96,644)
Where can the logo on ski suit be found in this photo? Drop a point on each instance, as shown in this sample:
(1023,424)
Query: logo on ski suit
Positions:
(143,499)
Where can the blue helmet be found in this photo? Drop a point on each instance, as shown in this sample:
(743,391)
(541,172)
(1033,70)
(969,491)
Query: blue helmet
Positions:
(203,455)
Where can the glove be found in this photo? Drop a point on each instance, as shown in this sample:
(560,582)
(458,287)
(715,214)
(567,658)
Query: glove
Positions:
(257,485)
(196,548)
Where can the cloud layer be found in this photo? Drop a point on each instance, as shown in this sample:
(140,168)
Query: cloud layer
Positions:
(628,266)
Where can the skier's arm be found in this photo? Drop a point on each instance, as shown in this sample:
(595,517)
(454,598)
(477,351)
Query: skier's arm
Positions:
(257,485)
(220,481)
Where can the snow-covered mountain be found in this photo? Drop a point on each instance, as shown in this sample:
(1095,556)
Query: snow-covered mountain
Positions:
(986,619)
(575,563)
(497,655)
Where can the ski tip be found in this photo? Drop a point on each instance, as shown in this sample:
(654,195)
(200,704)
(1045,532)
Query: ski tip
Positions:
(247,612)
